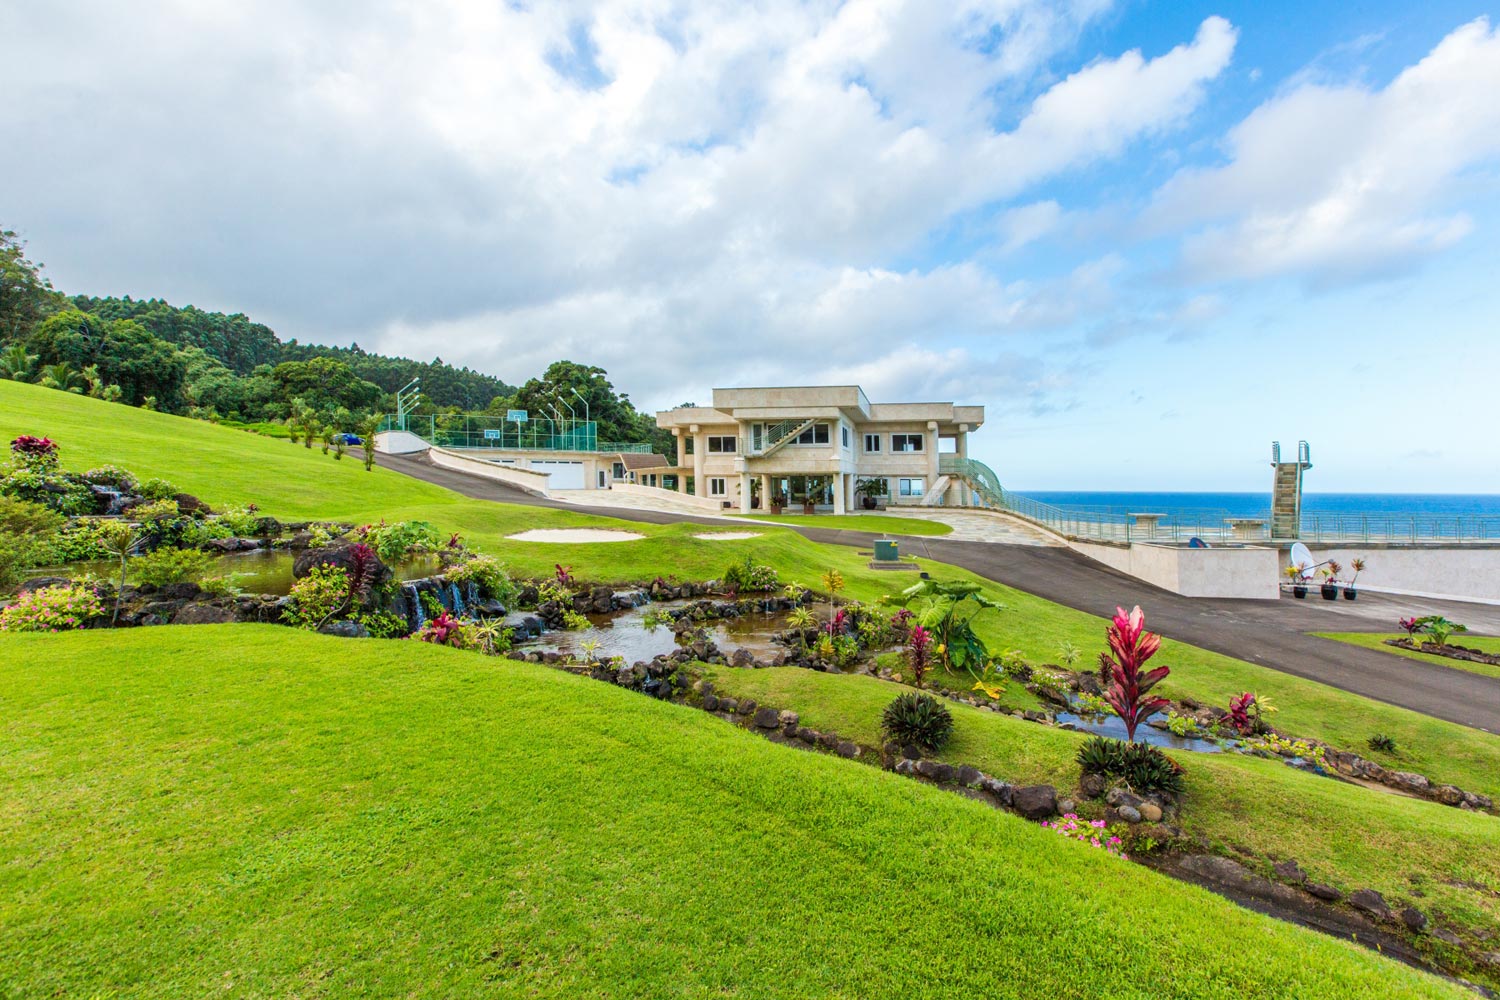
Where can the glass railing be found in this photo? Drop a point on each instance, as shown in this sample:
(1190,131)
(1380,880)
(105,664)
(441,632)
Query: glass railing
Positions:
(481,431)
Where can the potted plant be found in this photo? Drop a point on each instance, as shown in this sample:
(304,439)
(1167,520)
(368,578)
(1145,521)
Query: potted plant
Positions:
(814,489)
(870,492)
(1299,584)
(1330,585)
(778,503)
(1358,565)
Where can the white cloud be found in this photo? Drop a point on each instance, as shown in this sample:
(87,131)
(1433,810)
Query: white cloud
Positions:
(1342,182)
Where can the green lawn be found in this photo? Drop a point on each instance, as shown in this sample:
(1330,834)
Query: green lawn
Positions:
(880,523)
(222,464)
(1347,835)
(1370,640)
(254,811)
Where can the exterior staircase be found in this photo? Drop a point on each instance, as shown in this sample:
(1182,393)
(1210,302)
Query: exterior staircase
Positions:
(939,492)
(976,475)
(778,436)
(1286,491)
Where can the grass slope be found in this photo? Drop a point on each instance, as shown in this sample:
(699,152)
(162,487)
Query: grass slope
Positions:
(1350,836)
(250,811)
(222,464)
(1485,644)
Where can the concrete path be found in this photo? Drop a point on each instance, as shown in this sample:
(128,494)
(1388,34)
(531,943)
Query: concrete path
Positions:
(1269,633)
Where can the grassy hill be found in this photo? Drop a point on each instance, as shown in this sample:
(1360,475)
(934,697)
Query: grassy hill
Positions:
(253,811)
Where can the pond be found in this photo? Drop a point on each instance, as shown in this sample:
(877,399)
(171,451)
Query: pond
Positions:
(261,572)
(624,634)
(1110,725)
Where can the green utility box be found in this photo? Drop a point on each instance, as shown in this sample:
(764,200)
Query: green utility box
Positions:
(885,550)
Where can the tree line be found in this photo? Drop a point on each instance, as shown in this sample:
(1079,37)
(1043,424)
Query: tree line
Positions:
(227,367)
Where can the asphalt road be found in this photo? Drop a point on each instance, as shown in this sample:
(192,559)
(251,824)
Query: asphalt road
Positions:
(1272,634)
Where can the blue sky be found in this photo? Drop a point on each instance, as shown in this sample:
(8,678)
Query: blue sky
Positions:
(1150,238)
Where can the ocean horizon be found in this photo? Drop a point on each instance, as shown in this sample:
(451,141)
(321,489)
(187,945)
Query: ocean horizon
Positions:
(1259,504)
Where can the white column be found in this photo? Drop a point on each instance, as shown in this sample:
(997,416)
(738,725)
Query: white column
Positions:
(765,492)
(700,488)
(848,484)
(931,444)
(744,493)
(838,494)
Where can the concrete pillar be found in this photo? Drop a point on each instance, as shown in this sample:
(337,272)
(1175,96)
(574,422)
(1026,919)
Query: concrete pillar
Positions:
(931,444)
(838,494)
(765,492)
(744,492)
(849,500)
(700,487)
(962,443)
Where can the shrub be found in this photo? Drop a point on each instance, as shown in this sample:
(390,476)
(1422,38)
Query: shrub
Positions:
(242,522)
(395,542)
(488,575)
(919,653)
(382,624)
(1382,743)
(60,492)
(317,597)
(51,609)
(159,489)
(916,719)
(37,453)
(445,630)
(155,510)
(113,477)
(78,541)
(1141,766)
(750,577)
(196,534)
(166,566)
(19,553)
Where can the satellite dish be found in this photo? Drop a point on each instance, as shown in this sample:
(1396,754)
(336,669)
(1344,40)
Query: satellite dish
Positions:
(1197,543)
(1302,559)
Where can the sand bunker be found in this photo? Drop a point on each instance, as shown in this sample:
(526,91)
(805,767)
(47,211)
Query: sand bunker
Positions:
(574,535)
(727,536)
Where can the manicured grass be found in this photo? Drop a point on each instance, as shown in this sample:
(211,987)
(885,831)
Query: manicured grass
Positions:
(1344,834)
(1376,641)
(879,523)
(225,465)
(254,811)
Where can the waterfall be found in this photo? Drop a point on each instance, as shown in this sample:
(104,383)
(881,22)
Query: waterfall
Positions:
(457,606)
(115,501)
(415,619)
(471,592)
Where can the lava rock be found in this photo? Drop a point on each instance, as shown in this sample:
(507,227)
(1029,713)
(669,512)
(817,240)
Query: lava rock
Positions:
(742,658)
(767,718)
(180,591)
(710,702)
(1129,814)
(936,771)
(1001,790)
(1092,785)
(43,582)
(1371,902)
(1150,811)
(1322,891)
(345,630)
(1034,801)
(341,556)
(1414,919)
(847,749)
(729,705)
(787,717)
(1290,871)
(1407,781)
(969,776)
(204,614)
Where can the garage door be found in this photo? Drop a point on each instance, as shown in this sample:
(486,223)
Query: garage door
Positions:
(562,475)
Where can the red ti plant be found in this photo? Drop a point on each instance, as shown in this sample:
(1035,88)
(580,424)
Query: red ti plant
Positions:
(836,624)
(364,570)
(901,622)
(34,452)
(1239,712)
(444,630)
(564,575)
(919,653)
(1132,646)
(1410,625)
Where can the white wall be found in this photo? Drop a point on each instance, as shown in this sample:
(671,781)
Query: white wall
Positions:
(399,443)
(523,479)
(1468,573)
(1217,572)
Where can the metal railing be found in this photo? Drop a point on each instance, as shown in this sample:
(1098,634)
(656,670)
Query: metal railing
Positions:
(486,431)
(1180,525)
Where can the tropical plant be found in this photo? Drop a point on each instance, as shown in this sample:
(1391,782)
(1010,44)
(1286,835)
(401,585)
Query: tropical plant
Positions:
(368,428)
(564,575)
(317,597)
(15,363)
(1068,654)
(1090,704)
(1132,646)
(486,573)
(1410,625)
(363,570)
(919,654)
(1141,766)
(119,540)
(51,609)
(801,619)
(1100,755)
(61,376)
(446,630)
(339,447)
(750,576)
(1382,743)
(917,719)
(1182,725)
(381,624)
(590,648)
(36,453)
(164,566)
(1358,565)
(948,610)
(1441,628)
(395,541)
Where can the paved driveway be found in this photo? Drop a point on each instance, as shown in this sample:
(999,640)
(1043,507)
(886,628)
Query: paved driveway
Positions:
(1269,633)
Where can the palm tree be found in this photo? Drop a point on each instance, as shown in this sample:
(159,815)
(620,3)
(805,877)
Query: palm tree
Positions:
(15,363)
(61,376)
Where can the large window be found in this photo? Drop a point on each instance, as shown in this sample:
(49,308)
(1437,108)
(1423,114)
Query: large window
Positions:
(906,442)
(844,431)
(716,487)
(687,444)
(872,444)
(725,445)
(911,487)
(816,434)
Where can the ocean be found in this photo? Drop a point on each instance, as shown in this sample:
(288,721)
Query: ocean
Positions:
(1259,504)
